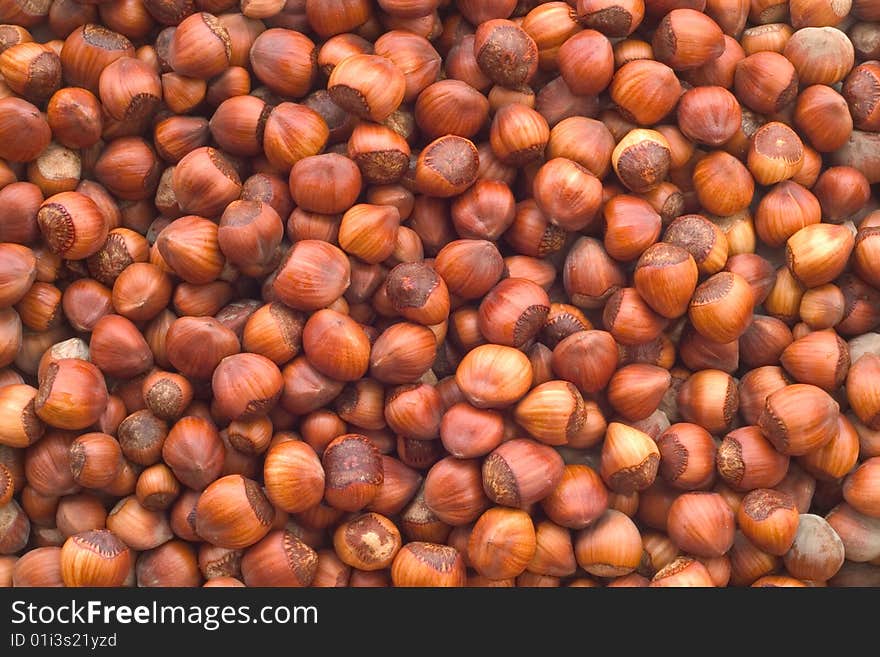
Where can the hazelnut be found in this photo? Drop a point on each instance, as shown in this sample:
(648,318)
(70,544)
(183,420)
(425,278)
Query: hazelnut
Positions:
(95,558)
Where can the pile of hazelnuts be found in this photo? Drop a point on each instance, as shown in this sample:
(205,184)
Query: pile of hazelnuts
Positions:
(439,293)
